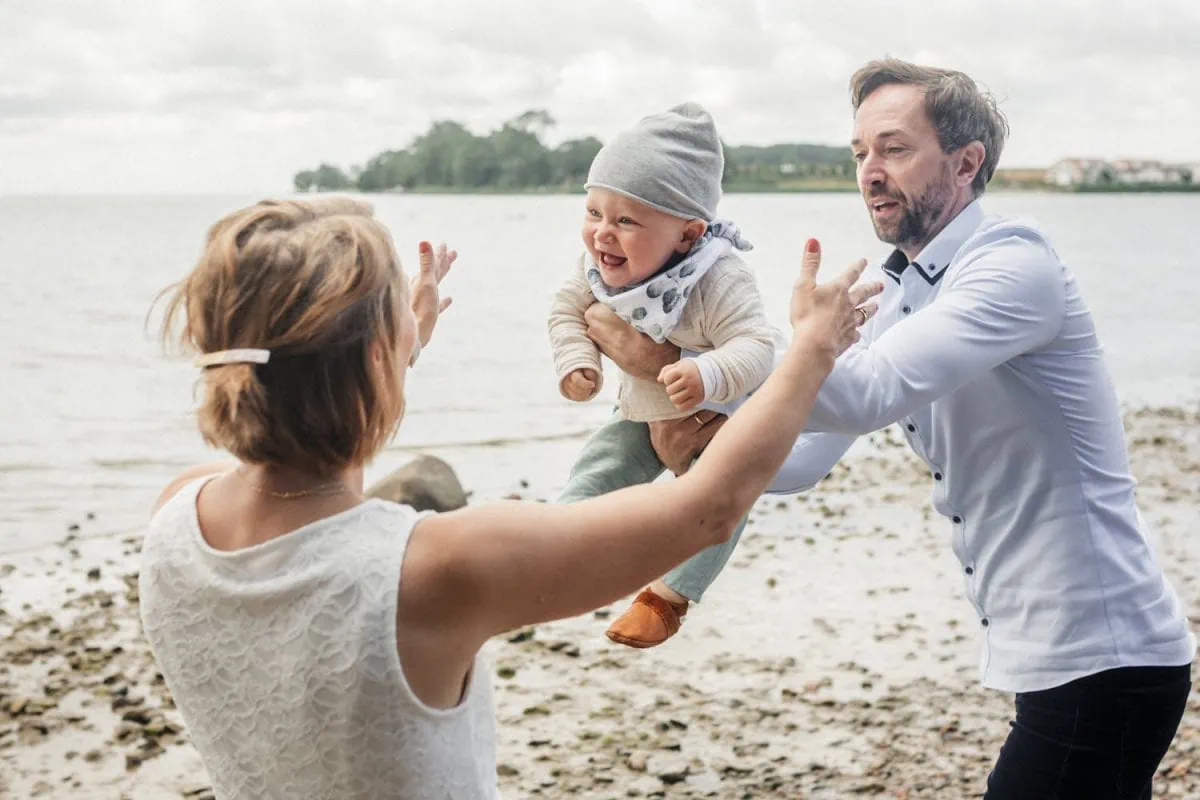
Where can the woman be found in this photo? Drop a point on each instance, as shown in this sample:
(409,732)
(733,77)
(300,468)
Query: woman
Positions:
(319,644)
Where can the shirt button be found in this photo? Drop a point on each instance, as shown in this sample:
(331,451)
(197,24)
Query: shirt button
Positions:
(971,571)
(957,519)
(937,476)
(984,622)
(912,428)
(907,309)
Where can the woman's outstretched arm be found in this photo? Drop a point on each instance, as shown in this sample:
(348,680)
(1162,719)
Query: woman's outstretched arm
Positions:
(479,571)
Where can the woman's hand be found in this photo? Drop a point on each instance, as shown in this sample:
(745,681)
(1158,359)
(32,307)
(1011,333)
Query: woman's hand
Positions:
(831,314)
(426,304)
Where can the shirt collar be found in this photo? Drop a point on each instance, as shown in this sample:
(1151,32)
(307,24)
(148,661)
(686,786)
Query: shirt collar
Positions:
(932,261)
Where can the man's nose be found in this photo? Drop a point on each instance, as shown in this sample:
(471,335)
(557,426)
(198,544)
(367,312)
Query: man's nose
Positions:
(870,171)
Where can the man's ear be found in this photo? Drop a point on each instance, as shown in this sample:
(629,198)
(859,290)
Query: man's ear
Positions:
(971,161)
(694,229)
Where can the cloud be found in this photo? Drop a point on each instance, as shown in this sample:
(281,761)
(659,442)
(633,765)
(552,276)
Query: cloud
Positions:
(186,95)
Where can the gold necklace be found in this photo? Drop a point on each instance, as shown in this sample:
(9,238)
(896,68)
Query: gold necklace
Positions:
(322,490)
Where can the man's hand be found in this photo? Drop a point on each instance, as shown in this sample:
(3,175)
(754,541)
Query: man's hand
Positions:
(635,353)
(685,387)
(678,442)
(423,288)
(580,384)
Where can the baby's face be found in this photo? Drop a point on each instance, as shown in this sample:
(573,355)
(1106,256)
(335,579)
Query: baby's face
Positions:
(629,240)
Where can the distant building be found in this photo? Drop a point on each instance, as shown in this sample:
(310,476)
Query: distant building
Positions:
(1076,171)
(1071,172)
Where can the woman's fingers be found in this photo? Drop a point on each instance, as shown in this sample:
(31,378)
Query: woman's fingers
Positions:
(850,275)
(864,292)
(868,311)
(425,257)
(810,264)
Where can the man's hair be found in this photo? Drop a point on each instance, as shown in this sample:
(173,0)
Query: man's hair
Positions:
(317,283)
(957,108)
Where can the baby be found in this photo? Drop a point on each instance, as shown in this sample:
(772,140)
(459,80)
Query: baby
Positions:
(659,257)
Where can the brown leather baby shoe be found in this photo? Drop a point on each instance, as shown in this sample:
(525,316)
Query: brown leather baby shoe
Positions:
(648,622)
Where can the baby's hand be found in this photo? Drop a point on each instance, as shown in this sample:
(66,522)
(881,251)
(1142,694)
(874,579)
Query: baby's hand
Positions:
(580,384)
(684,385)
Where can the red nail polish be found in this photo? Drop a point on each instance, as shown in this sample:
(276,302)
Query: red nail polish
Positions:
(812,246)
(425,247)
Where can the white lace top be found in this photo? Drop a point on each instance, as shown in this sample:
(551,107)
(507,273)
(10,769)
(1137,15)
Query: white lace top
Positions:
(282,660)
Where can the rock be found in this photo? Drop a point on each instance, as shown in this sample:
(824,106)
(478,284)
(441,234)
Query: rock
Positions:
(426,483)
(93,574)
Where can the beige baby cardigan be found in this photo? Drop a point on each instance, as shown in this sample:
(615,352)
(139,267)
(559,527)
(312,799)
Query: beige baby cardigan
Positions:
(723,320)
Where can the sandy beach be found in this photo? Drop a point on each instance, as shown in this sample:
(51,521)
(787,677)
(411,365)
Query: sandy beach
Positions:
(834,658)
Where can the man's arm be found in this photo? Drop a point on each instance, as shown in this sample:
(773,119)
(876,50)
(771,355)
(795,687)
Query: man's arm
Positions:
(635,353)
(678,442)
(813,456)
(1008,298)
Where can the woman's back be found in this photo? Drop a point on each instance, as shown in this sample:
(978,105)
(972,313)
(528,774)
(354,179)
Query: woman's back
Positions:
(282,659)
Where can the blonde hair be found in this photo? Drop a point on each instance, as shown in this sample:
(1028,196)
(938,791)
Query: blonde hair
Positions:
(316,282)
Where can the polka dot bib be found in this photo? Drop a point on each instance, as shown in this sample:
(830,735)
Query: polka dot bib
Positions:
(655,305)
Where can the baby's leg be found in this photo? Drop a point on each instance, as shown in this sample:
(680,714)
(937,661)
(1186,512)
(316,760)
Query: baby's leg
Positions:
(617,455)
(693,577)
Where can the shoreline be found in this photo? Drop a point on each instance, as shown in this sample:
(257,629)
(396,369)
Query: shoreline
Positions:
(835,657)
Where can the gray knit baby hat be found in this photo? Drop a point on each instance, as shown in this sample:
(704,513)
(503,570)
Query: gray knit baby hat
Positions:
(670,161)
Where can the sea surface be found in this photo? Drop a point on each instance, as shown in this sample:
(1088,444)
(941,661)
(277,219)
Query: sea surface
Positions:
(94,419)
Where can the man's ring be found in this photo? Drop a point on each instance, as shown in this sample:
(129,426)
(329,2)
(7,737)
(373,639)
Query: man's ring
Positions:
(699,422)
(865,316)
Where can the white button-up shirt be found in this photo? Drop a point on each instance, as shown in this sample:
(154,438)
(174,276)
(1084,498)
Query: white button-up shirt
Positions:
(984,352)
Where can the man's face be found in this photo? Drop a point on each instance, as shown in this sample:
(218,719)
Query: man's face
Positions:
(905,178)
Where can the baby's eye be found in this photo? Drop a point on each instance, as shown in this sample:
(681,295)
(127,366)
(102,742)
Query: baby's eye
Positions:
(627,221)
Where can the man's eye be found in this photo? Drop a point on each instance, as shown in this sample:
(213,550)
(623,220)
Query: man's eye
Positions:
(860,157)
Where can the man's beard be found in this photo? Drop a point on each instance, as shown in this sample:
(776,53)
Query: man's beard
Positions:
(919,218)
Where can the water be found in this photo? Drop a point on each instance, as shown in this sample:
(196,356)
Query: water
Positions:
(94,419)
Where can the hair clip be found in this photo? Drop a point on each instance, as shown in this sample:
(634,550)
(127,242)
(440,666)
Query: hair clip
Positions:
(245,355)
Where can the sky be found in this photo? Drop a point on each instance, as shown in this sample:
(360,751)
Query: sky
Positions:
(196,96)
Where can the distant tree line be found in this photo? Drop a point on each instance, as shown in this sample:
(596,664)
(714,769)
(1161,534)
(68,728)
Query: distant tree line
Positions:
(449,157)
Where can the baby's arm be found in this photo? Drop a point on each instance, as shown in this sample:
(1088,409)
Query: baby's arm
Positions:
(743,340)
(576,357)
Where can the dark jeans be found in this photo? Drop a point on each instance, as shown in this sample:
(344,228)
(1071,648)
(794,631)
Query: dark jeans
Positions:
(1096,738)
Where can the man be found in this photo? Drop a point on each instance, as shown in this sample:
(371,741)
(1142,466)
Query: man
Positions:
(985,353)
